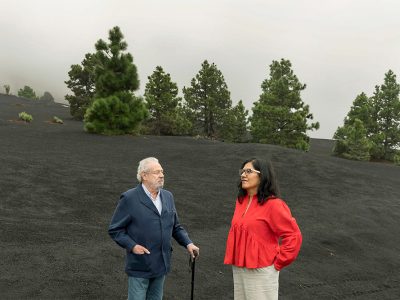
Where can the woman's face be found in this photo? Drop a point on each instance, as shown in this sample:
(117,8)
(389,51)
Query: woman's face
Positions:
(250,179)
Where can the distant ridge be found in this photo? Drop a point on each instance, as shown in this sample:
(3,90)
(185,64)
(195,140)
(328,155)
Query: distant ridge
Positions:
(11,105)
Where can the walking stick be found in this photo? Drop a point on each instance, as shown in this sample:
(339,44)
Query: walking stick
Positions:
(192,266)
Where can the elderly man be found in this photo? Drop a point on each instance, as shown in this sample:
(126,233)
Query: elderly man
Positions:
(143,223)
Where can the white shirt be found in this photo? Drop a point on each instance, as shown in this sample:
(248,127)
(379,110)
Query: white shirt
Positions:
(157,201)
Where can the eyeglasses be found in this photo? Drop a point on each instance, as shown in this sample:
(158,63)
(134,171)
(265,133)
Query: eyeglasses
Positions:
(248,171)
(158,172)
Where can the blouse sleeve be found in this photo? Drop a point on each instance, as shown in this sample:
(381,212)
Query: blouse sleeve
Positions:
(286,228)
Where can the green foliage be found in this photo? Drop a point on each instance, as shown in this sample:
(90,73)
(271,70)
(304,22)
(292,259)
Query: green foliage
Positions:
(375,107)
(82,85)
(208,101)
(380,116)
(235,124)
(115,70)
(116,114)
(7,89)
(387,103)
(27,92)
(351,141)
(163,103)
(396,159)
(182,124)
(361,109)
(377,151)
(47,97)
(115,109)
(57,120)
(25,117)
(280,117)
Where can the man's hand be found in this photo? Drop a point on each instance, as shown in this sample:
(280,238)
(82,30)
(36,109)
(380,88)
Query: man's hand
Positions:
(138,249)
(193,250)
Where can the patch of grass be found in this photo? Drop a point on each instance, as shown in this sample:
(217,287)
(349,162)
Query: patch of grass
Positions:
(25,117)
(57,120)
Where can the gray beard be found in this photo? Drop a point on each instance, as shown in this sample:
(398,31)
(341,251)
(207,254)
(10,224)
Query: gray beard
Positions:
(158,187)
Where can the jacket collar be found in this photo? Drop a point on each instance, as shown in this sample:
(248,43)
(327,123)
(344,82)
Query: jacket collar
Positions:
(146,201)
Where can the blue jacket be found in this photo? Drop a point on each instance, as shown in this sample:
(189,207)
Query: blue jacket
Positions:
(136,221)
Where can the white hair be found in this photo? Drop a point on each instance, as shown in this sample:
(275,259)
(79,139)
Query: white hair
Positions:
(143,166)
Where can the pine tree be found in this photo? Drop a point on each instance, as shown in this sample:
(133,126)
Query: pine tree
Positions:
(362,110)
(115,71)
(208,100)
(380,117)
(352,141)
(389,115)
(27,92)
(163,103)
(280,116)
(82,85)
(352,138)
(373,131)
(115,109)
(234,128)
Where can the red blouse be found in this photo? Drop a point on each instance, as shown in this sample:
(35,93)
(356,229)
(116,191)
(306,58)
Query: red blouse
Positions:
(266,234)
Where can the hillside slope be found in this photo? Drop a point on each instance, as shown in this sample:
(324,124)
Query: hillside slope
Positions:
(59,187)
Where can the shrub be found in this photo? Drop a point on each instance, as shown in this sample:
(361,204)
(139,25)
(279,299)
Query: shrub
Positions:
(27,92)
(57,120)
(47,98)
(25,117)
(396,159)
(7,89)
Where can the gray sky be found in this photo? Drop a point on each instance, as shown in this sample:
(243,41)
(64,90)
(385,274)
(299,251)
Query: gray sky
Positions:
(339,48)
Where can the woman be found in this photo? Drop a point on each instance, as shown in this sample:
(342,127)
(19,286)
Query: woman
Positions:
(264,237)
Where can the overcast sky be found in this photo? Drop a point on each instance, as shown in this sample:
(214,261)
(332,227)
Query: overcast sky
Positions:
(338,48)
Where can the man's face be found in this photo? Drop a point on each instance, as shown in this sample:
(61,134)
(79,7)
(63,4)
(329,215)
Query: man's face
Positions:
(153,177)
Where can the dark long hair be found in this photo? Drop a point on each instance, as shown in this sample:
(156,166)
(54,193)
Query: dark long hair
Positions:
(268,187)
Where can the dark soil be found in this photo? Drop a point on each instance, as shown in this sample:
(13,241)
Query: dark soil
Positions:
(59,187)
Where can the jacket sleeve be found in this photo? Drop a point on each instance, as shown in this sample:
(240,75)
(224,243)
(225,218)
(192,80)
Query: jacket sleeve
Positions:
(178,232)
(286,228)
(119,223)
